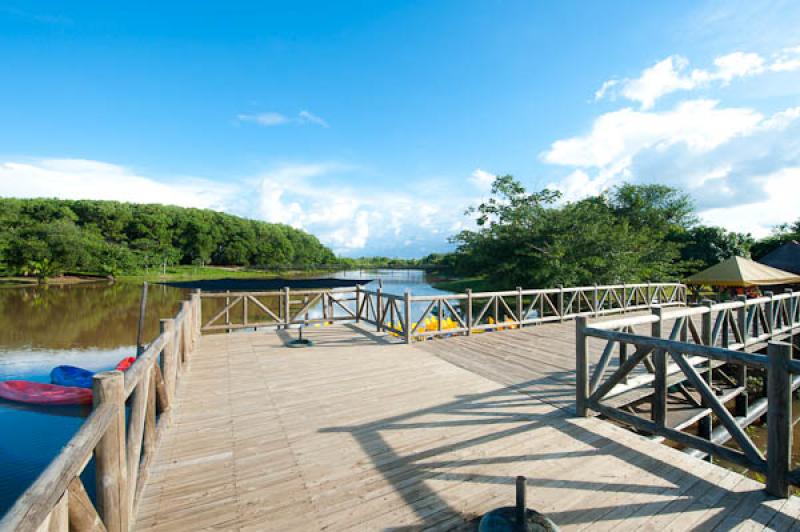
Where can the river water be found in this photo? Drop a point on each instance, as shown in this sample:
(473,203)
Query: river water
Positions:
(91,326)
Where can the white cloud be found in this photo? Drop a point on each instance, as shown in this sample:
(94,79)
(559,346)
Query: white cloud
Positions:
(482,179)
(779,193)
(306,116)
(264,119)
(86,179)
(616,137)
(741,167)
(318,198)
(578,185)
(786,60)
(269,119)
(671,74)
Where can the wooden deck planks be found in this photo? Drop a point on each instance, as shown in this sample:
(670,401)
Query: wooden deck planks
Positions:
(363,433)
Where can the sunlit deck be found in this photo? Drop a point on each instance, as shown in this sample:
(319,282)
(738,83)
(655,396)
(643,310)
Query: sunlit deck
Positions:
(363,432)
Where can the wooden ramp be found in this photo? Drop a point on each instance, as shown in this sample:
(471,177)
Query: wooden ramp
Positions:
(363,433)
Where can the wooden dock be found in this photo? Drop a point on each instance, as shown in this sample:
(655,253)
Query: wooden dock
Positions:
(364,432)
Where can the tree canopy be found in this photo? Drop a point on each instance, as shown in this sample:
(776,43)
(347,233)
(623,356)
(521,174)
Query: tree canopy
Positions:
(632,233)
(46,236)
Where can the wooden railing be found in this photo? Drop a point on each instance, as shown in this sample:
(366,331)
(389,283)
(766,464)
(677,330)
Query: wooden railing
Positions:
(416,317)
(242,310)
(471,312)
(687,363)
(122,448)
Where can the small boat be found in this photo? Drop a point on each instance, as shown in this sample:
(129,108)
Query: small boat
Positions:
(44,394)
(125,363)
(71,376)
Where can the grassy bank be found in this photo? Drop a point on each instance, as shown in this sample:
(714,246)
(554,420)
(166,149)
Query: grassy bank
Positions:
(476,284)
(188,273)
(173,273)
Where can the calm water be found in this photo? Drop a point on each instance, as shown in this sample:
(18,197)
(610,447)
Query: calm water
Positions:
(91,326)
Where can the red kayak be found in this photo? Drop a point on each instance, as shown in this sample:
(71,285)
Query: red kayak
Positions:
(39,393)
(125,363)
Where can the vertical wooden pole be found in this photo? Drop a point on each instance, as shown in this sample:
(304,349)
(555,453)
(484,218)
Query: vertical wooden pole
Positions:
(623,355)
(649,295)
(520,317)
(624,298)
(407,311)
(742,400)
(197,300)
(659,404)
(287,307)
(582,368)
(110,458)
(705,426)
(186,334)
(469,311)
(227,311)
(770,311)
(561,302)
(169,359)
(358,303)
(378,309)
(596,301)
(779,419)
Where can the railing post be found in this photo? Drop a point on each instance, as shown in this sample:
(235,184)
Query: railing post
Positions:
(519,307)
(197,314)
(596,301)
(779,419)
(227,311)
(469,311)
(649,295)
(407,330)
(705,426)
(110,456)
(582,367)
(358,303)
(186,335)
(659,404)
(378,309)
(169,358)
(561,302)
(770,306)
(624,298)
(287,307)
(742,400)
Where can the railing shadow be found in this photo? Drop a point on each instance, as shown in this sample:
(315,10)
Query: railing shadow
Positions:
(486,452)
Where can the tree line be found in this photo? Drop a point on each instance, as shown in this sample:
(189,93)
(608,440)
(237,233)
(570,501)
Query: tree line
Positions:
(45,237)
(631,233)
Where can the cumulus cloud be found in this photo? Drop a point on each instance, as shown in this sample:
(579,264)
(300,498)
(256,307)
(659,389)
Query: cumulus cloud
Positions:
(777,203)
(733,160)
(269,119)
(367,219)
(672,74)
(617,136)
(82,179)
(482,179)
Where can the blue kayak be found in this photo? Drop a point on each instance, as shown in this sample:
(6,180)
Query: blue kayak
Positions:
(71,376)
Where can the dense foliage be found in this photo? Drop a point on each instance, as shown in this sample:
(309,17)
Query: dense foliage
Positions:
(781,235)
(44,237)
(633,233)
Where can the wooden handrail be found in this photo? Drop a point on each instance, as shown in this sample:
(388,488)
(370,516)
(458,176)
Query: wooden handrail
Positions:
(123,449)
(752,324)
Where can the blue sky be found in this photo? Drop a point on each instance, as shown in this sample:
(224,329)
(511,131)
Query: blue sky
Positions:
(375,124)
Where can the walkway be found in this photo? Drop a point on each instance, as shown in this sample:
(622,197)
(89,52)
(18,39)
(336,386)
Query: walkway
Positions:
(363,433)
